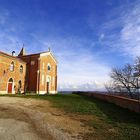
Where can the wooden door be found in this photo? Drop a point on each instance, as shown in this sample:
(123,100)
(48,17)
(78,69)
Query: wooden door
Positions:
(47,87)
(10,87)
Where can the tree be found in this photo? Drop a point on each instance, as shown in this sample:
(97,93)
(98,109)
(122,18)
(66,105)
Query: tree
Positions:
(109,87)
(137,64)
(112,87)
(123,79)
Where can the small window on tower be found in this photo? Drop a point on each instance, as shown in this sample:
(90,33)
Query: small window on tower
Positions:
(12,66)
(32,62)
(21,69)
(49,67)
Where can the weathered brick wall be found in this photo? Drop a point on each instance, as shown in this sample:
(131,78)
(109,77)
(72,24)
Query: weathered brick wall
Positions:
(131,104)
(34,68)
(31,72)
(6,74)
(37,82)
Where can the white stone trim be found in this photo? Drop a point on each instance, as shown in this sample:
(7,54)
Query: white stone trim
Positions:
(50,92)
(53,92)
(45,54)
(42,92)
(22,91)
(43,65)
(53,81)
(3,92)
(48,53)
(42,79)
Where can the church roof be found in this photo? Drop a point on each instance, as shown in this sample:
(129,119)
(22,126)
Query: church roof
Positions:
(8,55)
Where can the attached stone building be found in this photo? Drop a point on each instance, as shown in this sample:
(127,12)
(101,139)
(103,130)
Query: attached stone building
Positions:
(39,73)
(12,74)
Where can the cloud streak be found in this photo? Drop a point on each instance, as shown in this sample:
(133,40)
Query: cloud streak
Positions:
(78,67)
(124,25)
(81,45)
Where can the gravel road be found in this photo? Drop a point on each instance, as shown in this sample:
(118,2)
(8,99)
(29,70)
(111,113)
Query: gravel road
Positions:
(32,119)
(19,122)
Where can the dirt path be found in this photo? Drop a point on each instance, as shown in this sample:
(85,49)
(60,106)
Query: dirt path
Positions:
(31,119)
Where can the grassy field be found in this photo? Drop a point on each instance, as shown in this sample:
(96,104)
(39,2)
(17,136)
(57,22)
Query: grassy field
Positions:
(109,121)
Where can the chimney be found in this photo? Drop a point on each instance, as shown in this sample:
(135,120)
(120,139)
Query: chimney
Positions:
(13,53)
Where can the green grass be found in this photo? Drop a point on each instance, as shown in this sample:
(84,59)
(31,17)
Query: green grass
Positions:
(112,122)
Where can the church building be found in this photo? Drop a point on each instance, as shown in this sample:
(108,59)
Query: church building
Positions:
(33,73)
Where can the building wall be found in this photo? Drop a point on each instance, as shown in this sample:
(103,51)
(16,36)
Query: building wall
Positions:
(6,74)
(35,76)
(31,72)
(48,75)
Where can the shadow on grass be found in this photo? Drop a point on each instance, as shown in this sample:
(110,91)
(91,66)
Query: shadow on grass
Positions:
(91,106)
(115,113)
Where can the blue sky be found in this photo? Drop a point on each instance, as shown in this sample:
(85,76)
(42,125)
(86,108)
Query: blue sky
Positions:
(88,37)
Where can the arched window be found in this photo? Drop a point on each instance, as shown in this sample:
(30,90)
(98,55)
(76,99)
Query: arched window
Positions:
(19,84)
(12,66)
(10,80)
(48,67)
(48,79)
(21,69)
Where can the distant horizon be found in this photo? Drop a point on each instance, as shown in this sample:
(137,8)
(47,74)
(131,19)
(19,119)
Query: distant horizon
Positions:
(88,38)
(82,91)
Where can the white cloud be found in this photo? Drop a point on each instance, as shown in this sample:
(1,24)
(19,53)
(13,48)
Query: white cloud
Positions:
(8,42)
(78,67)
(123,30)
(130,34)
(3,16)
(9,39)
(102,36)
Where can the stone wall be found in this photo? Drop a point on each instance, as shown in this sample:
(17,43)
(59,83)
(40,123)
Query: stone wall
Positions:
(131,104)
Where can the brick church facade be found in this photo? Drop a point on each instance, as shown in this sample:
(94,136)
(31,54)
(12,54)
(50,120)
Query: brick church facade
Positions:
(36,73)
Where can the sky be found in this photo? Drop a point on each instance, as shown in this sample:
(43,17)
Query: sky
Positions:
(87,37)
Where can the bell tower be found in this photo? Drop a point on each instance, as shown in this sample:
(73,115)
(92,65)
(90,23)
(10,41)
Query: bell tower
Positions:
(22,52)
